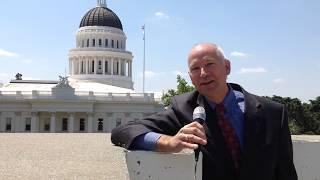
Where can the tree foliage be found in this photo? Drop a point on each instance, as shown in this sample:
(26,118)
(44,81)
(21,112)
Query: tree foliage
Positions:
(182,87)
(304,118)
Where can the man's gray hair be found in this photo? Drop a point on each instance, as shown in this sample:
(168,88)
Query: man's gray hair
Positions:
(220,51)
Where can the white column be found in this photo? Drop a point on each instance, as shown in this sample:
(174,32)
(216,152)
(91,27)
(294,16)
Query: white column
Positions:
(53,123)
(111,66)
(34,122)
(79,65)
(130,68)
(17,122)
(120,66)
(103,65)
(87,66)
(90,122)
(71,123)
(73,66)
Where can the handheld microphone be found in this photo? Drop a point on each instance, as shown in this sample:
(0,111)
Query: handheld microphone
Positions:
(199,115)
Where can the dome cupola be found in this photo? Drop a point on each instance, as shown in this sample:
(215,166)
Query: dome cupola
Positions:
(101,16)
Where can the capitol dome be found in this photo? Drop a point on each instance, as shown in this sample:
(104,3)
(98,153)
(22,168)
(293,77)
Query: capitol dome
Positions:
(101,16)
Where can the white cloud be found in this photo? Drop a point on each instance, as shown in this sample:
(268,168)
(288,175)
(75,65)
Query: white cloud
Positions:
(183,74)
(279,80)
(239,54)
(5,53)
(252,70)
(161,15)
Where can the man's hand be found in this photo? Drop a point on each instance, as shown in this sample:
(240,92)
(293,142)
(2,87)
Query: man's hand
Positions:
(188,137)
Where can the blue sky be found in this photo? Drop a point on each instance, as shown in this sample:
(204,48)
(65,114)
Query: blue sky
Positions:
(273,45)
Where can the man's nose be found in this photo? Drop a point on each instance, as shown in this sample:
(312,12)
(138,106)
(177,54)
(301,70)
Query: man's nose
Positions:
(203,72)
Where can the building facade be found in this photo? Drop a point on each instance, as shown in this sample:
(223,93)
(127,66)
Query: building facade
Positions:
(97,96)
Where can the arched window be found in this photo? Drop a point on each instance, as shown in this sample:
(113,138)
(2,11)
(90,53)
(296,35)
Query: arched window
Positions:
(64,124)
(112,43)
(106,67)
(82,124)
(8,124)
(117,44)
(93,42)
(88,41)
(100,124)
(28,124)
(106,42)
(100,43)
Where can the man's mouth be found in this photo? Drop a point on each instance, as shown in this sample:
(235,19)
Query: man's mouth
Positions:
(206,83)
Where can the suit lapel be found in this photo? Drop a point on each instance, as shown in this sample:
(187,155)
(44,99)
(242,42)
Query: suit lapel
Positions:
(254,129)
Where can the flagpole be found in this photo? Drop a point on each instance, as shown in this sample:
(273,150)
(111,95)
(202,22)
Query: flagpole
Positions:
(144,56)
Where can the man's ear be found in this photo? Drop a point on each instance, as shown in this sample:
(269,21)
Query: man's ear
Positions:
(228,66)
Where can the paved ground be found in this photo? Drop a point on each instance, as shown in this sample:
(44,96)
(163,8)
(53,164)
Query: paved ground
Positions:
(60,156)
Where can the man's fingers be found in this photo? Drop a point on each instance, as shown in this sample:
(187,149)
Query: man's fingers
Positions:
(194,131)
(189,145)
(190,138)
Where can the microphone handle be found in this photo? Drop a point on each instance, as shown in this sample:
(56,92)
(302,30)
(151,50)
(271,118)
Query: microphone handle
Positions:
(197,151)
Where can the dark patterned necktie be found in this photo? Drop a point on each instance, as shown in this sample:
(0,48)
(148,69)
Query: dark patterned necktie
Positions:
(230,136)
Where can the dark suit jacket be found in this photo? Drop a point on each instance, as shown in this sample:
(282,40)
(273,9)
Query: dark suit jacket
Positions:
(267,152)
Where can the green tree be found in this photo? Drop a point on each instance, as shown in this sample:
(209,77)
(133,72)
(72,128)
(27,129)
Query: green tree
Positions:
(182,87)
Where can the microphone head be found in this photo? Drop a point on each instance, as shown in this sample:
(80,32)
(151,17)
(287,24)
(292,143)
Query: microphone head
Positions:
(199,113)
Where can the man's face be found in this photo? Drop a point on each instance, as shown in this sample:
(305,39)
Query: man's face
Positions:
(208,69)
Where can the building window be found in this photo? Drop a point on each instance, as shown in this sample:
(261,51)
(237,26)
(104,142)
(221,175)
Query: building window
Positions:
(88,42)
(65,124)
(82,124)
(112,43)
(117,44)
(28,124)
(8,124)
(100,42)
(117,69)
(82,43)
(47,127)
(92,68)
(106,42)
(100,124)
(93,42)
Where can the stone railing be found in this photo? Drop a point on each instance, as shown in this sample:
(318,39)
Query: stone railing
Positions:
(144,165)
(77,95)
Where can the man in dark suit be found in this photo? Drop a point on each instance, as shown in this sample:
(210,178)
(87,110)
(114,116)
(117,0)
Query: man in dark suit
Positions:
(244,137)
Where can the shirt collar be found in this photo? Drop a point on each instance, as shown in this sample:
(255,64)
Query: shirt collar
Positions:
(228,100)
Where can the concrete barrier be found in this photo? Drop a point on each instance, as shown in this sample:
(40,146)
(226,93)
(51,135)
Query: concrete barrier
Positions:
(144,165)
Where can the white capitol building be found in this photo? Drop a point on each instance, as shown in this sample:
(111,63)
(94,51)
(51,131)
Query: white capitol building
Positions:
(97,96)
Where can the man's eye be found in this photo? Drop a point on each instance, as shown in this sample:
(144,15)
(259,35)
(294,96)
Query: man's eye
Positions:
(209,64)
(195,69)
